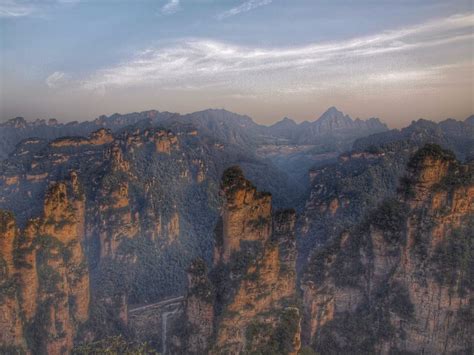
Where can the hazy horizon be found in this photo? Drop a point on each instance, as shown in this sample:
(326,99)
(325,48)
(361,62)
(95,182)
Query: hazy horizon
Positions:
(268,59)
(312,119)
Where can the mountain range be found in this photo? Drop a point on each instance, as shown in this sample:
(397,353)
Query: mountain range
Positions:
(221,124)
(332,124)
(208,233)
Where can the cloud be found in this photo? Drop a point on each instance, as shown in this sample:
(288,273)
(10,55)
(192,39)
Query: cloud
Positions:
(203,62)
(171,7)
(245,7)
(12,8)
(18,8)
(56,80)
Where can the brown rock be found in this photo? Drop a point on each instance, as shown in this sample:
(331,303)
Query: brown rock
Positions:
(50,273)
(393,284)
(254,278)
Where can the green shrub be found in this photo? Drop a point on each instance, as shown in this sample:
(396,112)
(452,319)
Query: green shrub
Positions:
(12,350)
(48,278)
(3,268)
(115,345)
(390,218)
(453,259)
(270,338)
(430,151)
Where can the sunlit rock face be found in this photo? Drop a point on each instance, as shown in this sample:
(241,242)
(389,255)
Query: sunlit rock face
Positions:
(343,192)
(46,274)
(150,203)
(402,279)
(246,303)
(142,203)
(11,329)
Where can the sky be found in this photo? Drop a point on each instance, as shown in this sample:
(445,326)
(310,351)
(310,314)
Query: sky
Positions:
(78,59)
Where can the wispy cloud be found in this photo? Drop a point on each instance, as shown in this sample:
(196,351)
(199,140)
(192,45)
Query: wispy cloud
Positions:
(204,62)
(171,7)
(56,80)
(13,8)
(23,8)
(244,7)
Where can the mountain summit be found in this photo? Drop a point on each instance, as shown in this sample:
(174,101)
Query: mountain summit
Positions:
(331,124)
(333,120)
(332,114)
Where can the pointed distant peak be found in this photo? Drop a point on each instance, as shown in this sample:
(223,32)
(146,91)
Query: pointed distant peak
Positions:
(470,120)
(286,122)
(331,114)
(333,109)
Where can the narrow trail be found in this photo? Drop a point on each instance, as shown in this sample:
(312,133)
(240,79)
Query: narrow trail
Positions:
(158,304)
(173,303)
(164,327)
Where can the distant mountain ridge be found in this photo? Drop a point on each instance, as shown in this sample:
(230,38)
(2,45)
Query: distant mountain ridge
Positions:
(457,136)
(223,124)
(332,122)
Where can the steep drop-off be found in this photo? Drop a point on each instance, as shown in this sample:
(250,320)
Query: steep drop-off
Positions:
(45,280)
(400,281)
(342,192)
(246,303)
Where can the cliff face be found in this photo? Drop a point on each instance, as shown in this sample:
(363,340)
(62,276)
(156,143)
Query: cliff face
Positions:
(402,279)
(199,308)
(11,330)
(246,215)
(248,302)
(343,192)
(152,203)
(45,295)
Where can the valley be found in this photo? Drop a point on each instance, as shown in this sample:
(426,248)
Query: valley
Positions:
(209,233)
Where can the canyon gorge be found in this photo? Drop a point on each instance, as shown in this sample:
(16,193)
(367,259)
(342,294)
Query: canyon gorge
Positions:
(207,233)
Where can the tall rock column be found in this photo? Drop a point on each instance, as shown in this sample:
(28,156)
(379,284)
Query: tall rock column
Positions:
(47,297)
(249,303)
(11,331)
(64,278)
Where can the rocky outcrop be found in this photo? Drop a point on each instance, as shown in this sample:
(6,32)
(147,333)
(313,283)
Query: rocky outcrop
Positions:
(117,222)
(401,281)
(246,215)
(45,295)
(140,212)
(101,136)
(11,330)
(248,302)
(165,142)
